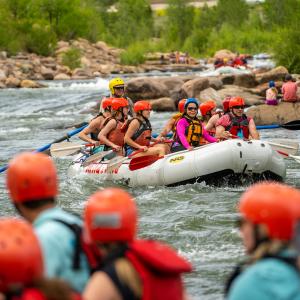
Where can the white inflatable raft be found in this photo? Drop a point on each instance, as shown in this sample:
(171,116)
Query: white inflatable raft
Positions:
(231,162)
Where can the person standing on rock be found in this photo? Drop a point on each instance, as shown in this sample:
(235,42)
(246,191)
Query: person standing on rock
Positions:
(236,124)
(267,222)
(289,90)
(96,124)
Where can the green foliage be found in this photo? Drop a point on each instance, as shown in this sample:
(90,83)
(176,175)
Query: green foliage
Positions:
(233,12)
(287,49)
(179,23)
(134,54)
(71,58)
(40,39)
(133,22)
(281,13)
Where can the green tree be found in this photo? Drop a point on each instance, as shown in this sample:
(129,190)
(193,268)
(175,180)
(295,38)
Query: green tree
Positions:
(180,18)
(233,12)
(132,22)
(281,13)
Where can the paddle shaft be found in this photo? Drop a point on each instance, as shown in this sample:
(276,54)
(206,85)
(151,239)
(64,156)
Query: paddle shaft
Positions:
(46,147)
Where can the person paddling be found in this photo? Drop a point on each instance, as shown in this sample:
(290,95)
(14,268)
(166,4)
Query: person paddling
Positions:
(131,269)
(138,135)
(33,186)
(96,124)
(236,123)
(189,129)
(22,268)
(267,223)
(171,124)
(112,133)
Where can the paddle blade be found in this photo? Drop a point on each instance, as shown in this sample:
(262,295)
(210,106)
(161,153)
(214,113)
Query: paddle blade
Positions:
(293,125)
(289,148)
(64,149)
(296,158)
(115,163)
(95,157)
(142,162)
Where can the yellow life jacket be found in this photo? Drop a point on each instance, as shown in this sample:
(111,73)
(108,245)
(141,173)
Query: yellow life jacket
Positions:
(176,117)
(193,132)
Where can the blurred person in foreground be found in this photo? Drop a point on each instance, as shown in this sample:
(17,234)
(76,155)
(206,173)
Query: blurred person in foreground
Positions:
(131,269)
(267,222)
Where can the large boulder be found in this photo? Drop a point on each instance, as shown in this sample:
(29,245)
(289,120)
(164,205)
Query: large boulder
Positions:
(62,76)
(29,84)
(163,104)
(192,88)
(215,83)
(146,88)
(12,82)
(280,114)
(245,80)
(211,94)
(233,90)
(276,74)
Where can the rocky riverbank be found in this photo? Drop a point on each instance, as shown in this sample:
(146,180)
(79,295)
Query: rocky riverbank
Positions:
(97,60)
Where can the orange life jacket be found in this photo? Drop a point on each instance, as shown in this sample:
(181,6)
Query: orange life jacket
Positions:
(116,136)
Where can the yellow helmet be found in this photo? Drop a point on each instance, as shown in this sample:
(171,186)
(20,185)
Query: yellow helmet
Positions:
(114,83)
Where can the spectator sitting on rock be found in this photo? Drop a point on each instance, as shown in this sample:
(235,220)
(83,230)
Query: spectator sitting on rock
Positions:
(271,94)
(177,57)
(289,89)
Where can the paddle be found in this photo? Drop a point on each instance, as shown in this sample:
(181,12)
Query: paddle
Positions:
(142,162)
(296,158)
(96,156)
(293,125)
(66,148)
(46,147)
(116,162)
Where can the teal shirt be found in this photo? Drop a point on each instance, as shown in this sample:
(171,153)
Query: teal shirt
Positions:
(268,279)
(57,242)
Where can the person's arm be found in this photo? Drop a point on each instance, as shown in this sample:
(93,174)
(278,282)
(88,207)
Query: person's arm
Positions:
(180,130)
(168,127)
(100,287)
(132,128)
(253,131)
(111,125)
(93,126)
(208,137)
(211,122)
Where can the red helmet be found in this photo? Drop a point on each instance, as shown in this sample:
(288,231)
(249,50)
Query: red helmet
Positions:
(181,105)
(268,204)
(141,105)
(21,258)
(207,106)
(31,176)
(236,101)
(106,102)
(226,104)
(118,103)
(110,216)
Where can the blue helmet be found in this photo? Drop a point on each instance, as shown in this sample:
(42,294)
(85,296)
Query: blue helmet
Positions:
(191,100)
(271,84)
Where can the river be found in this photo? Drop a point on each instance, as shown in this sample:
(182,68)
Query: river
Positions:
(196,219)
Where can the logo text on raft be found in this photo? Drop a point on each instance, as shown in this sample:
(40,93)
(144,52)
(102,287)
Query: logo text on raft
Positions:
(176,159)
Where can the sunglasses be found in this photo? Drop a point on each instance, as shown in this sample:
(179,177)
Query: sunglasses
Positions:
(192,108)
(119,88)
(238,107)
